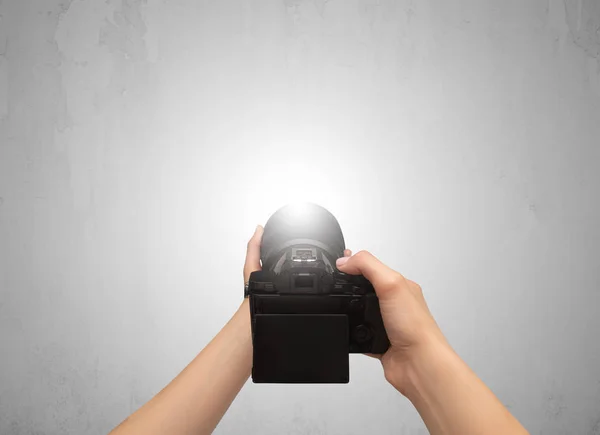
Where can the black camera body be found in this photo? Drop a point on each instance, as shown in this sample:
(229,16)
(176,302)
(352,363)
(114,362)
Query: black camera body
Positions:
(306,315)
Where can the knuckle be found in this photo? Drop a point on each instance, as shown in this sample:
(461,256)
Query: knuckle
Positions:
(415,286)
(398,280)
(362,255)
(393,282)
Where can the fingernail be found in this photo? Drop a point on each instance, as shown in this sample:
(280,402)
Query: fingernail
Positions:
(341,261)
(256,229)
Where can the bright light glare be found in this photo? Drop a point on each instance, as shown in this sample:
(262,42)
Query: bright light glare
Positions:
(291,180)
(284,171)
(298,210)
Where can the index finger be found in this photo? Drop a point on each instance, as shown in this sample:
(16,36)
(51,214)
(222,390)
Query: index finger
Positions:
(384,279)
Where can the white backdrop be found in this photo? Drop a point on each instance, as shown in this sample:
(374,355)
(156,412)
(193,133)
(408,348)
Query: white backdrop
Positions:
(142,141)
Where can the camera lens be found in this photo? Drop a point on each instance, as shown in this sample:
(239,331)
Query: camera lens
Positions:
(305,224)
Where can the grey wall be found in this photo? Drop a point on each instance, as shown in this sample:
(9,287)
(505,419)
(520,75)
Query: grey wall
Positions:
(142,141)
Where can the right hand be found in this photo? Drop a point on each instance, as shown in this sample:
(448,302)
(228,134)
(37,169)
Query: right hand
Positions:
(408,322)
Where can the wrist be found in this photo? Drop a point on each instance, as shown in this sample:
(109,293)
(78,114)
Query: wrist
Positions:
(406,367)
(241,322)
(235,338)
(433,360)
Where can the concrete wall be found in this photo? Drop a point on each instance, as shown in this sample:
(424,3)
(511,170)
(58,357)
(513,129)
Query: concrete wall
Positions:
(142,141)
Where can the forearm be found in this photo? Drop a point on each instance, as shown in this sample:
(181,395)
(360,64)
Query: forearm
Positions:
(195,401)
(451,399)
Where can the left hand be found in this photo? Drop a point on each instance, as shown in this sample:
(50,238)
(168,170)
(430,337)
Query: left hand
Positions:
(252,263)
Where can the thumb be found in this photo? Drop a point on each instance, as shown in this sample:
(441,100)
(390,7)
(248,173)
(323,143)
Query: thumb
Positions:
(252,262)
(386,281)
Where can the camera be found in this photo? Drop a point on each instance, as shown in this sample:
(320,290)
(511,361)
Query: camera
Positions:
(306,315)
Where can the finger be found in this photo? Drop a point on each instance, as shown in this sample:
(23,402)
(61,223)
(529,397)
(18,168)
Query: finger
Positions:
(383,278)
(252,263)
(347,253)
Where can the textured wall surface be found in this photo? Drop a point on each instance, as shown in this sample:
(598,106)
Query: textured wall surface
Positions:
(142,141)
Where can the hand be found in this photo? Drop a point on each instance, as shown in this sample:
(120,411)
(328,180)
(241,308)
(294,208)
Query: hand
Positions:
(406,317)
(252,263)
